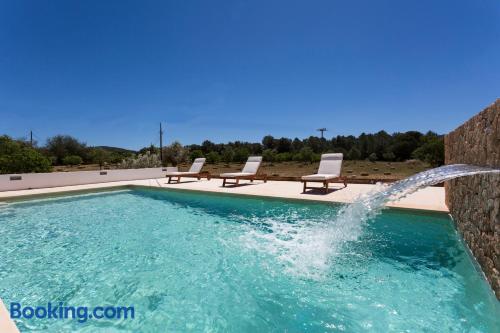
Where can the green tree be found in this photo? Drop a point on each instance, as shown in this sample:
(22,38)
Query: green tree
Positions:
(241,154)
(227,155)
(24,161)
(101,156)
(381,143)
(284,157)
(354,154)
(268,142)
(17,157)
(175,153)
(284,145)
(317,145)
(152,149)
(207,146)
(404,144)
(269,155)
(72,160)
(297,145)
(388,156)
(432,151)
(306,154)
(195,154)
(61,146)
(213,157)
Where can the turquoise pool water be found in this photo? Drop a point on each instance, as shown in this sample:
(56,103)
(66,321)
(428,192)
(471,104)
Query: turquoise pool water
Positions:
(209,263)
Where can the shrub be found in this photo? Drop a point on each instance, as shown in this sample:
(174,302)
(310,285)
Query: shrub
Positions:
(195,154)
(146,160)
(72,160)
(354,154)
(113,158)
(306,154)
(101,156)
(17,157)
(241,154)
(175,153)
(388,156)
(284,157)
(269,155)
(25,160)
(227,155)
(213,157)
(373,157)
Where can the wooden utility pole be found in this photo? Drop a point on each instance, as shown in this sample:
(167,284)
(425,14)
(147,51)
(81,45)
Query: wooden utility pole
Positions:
(161,144)
(31,139)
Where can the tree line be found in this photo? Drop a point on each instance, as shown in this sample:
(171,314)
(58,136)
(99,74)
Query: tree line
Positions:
(381,146)
(22,156)
(18,155)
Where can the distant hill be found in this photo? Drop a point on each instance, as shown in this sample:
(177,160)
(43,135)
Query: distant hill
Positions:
(117,150)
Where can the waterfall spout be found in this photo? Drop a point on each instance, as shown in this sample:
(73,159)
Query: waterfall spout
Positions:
(306,248)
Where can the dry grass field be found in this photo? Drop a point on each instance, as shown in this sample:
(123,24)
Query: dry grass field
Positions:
(354,170)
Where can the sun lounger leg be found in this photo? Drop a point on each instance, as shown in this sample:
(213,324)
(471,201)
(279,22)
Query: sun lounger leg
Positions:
(305,187)
(223,182)
(326,187)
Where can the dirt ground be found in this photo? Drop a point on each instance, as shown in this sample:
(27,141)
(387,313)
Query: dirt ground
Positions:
(364,170)
(351,169)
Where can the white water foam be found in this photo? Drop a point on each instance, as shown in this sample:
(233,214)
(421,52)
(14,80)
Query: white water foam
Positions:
(307,247)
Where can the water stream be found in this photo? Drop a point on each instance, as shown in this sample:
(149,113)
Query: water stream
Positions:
(307,247)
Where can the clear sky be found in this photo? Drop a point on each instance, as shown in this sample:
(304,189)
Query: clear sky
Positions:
(108,72)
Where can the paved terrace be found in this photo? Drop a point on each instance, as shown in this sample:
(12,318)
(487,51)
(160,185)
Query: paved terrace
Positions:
(430,198)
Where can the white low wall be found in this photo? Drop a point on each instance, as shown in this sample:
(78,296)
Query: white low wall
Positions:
(26,181)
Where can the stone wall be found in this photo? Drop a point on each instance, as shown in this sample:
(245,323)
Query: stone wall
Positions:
(474,201)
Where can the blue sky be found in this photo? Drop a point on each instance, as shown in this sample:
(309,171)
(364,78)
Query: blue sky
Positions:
(108,72)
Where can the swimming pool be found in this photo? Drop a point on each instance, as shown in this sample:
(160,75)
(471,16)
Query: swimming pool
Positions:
(212,263)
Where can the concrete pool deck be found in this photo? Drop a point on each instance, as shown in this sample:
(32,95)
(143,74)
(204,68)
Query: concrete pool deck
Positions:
(429,198)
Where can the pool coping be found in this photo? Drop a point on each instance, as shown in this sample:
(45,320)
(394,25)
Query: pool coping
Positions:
(131,187)
(7,325)
(286,199)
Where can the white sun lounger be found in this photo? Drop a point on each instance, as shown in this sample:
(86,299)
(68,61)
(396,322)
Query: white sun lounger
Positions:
(249,172)
(194,171)
(328,172)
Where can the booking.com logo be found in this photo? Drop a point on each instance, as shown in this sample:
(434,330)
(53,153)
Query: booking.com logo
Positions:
(62,311)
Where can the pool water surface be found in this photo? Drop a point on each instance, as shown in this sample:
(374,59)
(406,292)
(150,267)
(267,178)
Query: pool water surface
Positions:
(213,263)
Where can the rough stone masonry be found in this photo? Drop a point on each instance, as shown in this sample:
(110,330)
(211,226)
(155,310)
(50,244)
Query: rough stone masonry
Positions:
(474,201)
